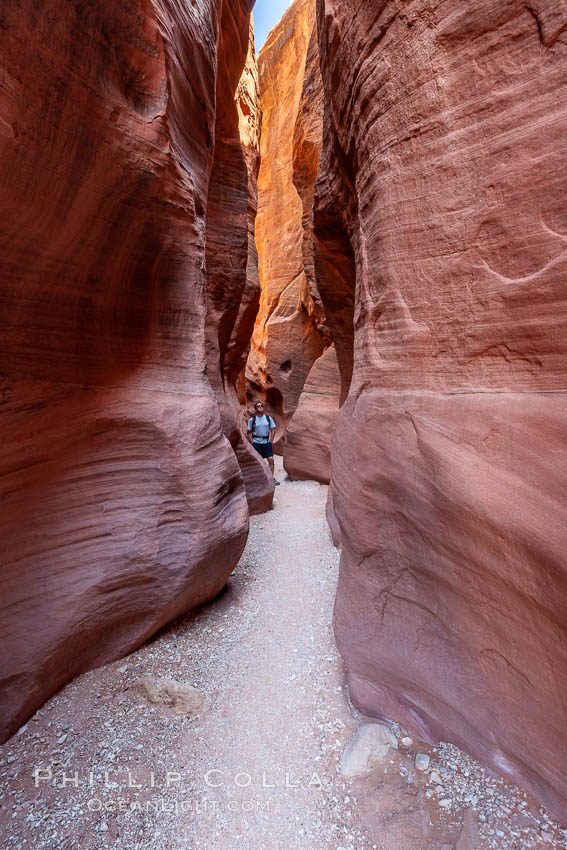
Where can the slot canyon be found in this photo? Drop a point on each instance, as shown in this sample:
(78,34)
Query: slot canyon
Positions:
(362,225)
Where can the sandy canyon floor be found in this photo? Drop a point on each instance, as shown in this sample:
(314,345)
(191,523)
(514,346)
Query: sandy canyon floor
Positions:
(99,766)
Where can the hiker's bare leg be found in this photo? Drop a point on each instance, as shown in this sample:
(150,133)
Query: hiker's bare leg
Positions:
(271,464)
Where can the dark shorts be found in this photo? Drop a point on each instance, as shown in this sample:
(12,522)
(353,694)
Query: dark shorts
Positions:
(264,449)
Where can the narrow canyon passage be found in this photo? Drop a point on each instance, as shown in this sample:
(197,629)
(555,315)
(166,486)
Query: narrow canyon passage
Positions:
(261,766)
(264,658)
(362,226)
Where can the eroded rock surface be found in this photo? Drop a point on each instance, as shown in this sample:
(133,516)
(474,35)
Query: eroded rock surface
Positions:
(442,184)
(308,437)
(290,329)
(123,504)
(233,288)
(307,452)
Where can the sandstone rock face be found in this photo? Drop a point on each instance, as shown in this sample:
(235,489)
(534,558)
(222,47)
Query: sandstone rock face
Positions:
(307,452)
(443,177)
(307,144)
(286,339)
(123,504)
(233,288)
(250,126)
(308,438)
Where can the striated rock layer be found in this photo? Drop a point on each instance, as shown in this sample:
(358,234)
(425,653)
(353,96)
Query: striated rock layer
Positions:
(307,144)
(308,437)
(307,452)
(233,288)
(288,336)
(123,504)
(442,185)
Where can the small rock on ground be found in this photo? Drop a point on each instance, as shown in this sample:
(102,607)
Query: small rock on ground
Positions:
(180,698)
(367,748)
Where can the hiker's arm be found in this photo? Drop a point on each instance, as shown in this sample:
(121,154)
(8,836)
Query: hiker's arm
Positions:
(249,435)
(272,432)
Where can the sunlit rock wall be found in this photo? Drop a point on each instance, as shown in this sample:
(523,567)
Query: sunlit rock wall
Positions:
(288,336)
(307,452)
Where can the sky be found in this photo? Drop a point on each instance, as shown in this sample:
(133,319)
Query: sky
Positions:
(267,13)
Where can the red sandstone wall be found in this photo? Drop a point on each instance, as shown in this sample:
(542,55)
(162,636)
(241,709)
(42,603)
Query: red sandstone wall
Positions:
(250,128)
(233,288)
(443,186)
(123,504)
(288,336)
(308,438)
(307,143)
(307,452)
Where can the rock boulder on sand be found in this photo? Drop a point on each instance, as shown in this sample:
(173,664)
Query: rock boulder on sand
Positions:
(368,748)
(180,698)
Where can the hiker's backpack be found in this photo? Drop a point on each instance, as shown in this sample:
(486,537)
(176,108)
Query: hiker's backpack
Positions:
(268,417)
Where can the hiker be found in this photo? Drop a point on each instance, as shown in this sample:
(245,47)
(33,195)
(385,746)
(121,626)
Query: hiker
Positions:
(260,431)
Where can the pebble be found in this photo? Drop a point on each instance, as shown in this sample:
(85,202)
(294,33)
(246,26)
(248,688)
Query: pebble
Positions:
(422,761)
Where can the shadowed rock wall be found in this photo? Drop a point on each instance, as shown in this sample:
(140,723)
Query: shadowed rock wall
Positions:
(308,437)
(442,185)
(233,288)
(123,504)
